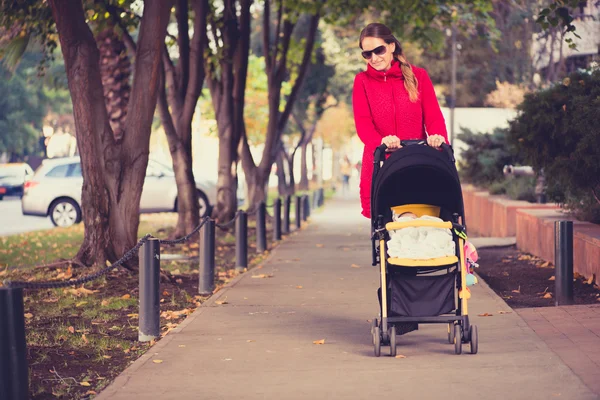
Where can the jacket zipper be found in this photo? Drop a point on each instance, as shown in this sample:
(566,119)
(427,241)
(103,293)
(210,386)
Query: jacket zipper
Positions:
(394,105)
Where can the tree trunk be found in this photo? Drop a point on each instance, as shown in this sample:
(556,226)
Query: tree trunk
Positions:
(303,185)
(188,213)
(282,183)
(113,173)
(227,174)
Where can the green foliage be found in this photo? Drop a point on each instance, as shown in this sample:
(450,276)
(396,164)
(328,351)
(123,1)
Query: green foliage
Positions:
(483,161)
(22,109)
(516,188)
(558,14)
(557,131)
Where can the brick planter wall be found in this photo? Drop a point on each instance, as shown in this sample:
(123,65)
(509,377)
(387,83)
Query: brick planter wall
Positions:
(535,235)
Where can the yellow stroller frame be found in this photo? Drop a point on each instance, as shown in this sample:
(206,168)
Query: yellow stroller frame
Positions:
(459,330)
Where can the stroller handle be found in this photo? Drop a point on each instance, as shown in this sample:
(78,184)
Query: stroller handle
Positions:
(379,155)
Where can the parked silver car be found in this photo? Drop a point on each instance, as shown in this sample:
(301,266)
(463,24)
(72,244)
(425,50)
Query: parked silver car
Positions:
(55,191)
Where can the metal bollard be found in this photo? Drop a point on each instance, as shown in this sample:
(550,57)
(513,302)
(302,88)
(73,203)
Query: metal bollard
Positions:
(563,262)
(149,314)
(241,242)
(277,222)
(298,212)
(286,214)
(321,197)
(14,373)
(261,228)
(315,199)
(306,208)
(206,267)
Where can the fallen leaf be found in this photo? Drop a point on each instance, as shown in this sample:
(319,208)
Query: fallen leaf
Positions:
(104,303)
(179,281)
(552,278)
(400,356)
(591,279)
(28,315)
(355,266)
(517,290)
(165,293)
(126,296)
(91,392)
(157,361)
(262,276)
(547,296)
(81,303)
(485,315)
(71,329)
(84,338)
(133,315)
(320,245)
(505,273)
(346,249)
(298,287)
(546,264)
(181,345)
(107,357)
(221,302)
(504,312)
(85,384)
(250,341)
(322,341)
(176,272)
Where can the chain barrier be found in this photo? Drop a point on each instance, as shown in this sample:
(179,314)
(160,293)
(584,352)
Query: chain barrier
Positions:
(228,224)
(186,237)
(76,282)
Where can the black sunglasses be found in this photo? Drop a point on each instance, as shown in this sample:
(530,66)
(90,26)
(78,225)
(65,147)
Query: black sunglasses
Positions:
(377,51)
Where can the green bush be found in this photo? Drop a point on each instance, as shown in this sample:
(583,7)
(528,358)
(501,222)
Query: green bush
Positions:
(516,188)
(558,131)
(483,161)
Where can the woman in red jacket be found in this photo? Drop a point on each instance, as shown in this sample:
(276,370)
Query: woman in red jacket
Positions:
(392,101)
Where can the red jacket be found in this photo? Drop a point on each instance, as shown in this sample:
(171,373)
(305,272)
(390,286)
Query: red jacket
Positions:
(382,108)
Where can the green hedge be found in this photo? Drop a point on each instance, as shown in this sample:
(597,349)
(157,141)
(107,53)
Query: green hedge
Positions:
(558,131)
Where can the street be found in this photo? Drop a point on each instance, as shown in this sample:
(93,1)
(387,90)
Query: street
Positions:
(13,221)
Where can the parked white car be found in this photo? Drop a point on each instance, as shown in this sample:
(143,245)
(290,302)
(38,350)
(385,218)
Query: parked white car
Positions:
(55,191)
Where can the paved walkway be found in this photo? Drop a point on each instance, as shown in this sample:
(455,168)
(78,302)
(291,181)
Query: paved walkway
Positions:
(259,344)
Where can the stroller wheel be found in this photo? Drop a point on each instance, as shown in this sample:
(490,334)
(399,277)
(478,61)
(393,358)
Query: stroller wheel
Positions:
(374,324)
(457,339)
(377,341)
(392,335)
(451,333)
(474,339)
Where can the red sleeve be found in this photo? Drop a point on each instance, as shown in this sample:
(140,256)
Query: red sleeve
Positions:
(432,114)
(362,116)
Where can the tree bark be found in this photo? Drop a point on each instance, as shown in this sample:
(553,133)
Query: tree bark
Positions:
(303,184)
(227,87)
(113,173)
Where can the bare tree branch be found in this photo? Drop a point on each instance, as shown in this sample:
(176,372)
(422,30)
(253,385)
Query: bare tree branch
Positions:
(266,37)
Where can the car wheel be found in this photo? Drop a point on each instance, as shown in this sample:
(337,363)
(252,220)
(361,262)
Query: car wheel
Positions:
(203,204)
(65,213)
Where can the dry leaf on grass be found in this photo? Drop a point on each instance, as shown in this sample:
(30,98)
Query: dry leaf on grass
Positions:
(84,338)
(28,315)
(547,296)
(91,392)
(133,315)
(591,279)
(104,303)
(71,329)
(552,278)
(400,356)
(322,341)
(126,296)
(517,290)
(485,315)
(81,303)
(157,361)
(86,384)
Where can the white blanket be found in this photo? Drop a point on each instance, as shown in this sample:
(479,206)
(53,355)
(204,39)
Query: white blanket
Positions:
(421,243)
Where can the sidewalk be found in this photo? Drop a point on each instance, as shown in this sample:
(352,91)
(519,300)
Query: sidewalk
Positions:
(259,345)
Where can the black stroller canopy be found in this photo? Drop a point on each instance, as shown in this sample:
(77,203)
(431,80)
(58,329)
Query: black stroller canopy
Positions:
(417,174)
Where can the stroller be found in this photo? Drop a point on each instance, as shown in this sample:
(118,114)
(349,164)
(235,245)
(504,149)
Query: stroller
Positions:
(423,181)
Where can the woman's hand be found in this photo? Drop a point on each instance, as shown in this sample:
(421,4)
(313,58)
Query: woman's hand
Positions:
(435,141)
(392,143)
